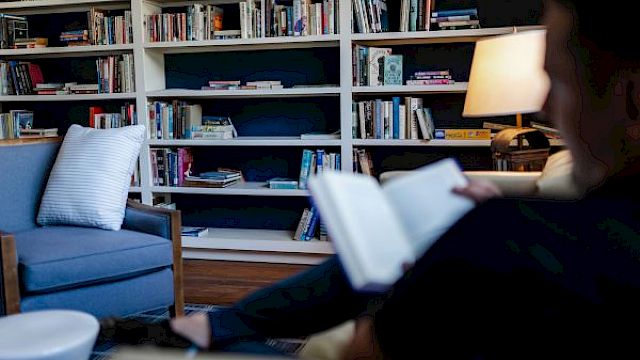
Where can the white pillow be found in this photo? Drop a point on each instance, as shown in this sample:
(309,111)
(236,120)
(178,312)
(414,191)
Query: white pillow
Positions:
(89,182)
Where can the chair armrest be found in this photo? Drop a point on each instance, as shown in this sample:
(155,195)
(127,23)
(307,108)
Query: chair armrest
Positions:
(511,183)
(152,220)
(9,288)
(167,224)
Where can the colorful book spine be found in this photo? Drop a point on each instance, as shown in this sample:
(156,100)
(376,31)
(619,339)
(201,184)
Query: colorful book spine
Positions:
(305,168)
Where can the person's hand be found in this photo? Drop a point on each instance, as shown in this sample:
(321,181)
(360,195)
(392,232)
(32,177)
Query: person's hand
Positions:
(479,190)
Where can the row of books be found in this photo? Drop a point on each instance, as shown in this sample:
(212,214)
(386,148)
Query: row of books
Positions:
(19,77)
(106,29)
(181,120)
(374,66)
(455,19)
(317,161)
(237,85)
(250,20)
(370,16)
(396,119)
(302,18)
(170,167)
(362,162)
(309,225)
(115,74)
(12,122)
(200,22)
(99,119)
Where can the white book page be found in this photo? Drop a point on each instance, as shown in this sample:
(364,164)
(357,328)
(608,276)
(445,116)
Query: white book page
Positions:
(367,234)
(425,203)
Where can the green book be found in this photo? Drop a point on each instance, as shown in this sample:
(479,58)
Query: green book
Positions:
(393,70)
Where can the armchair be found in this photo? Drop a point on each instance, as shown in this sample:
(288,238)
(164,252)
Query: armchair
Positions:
(105,273)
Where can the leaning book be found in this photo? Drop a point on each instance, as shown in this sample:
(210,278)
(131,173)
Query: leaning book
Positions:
(411,212)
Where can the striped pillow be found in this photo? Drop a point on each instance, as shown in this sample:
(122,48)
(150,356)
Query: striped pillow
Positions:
(90,179)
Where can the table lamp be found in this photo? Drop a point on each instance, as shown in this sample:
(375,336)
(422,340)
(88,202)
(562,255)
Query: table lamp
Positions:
(507,76)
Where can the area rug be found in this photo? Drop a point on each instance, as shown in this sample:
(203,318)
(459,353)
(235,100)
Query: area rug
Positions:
(103,350)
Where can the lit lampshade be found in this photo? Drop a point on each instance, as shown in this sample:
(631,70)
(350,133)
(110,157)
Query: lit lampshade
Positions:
(507,76)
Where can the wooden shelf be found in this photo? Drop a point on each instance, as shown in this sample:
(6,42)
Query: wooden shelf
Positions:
(459,87)
(71,97)
(262,240)
(266,43)
(249,188)
(27,141)
(70,51)
(204,94)
(436,36)
(248,141)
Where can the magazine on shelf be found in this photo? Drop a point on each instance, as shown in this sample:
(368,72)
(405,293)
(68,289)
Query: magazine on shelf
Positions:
(194,231)
(411,212)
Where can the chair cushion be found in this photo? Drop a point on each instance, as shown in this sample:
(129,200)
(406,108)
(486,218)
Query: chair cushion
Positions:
(54,258)
(90,179)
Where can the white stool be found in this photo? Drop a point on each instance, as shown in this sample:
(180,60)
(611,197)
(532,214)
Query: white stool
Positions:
(48,334)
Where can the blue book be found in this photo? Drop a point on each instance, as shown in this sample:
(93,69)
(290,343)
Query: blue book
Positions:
(396,117)
(458,12)
(305,168)
(378,117)
(320,161)
(219,175)
(311,230)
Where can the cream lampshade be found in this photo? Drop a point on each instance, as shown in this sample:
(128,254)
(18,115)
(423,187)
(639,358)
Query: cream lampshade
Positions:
(507,76)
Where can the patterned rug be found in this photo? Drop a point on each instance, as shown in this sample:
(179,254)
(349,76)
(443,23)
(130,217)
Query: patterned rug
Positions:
(104,349)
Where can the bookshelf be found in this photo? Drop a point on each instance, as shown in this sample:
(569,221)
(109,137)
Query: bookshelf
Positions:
(249,221)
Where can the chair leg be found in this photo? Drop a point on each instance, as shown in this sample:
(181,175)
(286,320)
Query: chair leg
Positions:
(9,288)
(177,310)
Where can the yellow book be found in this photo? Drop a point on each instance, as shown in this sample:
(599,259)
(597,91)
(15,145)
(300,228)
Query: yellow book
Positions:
(463,134)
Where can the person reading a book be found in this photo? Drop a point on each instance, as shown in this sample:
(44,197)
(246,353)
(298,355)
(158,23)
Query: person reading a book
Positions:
(513,278)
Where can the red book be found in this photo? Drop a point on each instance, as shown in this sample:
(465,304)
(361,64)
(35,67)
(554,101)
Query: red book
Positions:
(36,75)
(93,111)
(185,159)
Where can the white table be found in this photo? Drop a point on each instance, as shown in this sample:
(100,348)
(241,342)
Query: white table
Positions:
(48,334)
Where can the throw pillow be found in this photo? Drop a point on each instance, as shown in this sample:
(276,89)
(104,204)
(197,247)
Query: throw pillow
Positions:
(89,182)
(556,180)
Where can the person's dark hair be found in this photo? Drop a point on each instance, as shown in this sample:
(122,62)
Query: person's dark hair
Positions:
(609,28)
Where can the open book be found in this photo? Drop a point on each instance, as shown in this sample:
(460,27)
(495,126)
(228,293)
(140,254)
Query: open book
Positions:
(376,229)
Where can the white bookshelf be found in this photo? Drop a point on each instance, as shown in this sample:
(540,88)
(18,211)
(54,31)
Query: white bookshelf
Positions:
(70,51)
(59,6)
(150,81)
(436,143)
(249,188)
(266,43)
(459,87)
(256,240)
(249,141)
(432,37)
(70,97)
(210,94)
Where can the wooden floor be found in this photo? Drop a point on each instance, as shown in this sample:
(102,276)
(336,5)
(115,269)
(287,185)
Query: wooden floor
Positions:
(224,282)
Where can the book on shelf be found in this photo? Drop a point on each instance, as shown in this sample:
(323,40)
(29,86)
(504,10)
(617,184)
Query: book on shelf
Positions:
(319,135)
(410,217)
(306,229)
(282,183)
(194,231)
(196,181)
(317,161)
(463,134)
(38,133)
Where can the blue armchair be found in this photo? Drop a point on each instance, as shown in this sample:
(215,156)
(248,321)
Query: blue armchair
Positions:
(105,273)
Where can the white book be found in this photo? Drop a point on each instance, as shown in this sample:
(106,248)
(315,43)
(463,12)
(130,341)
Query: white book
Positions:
(411,213)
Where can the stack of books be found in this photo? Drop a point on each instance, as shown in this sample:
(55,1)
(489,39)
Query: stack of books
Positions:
(455,19)
(214,179)
(431,77)
(75,37)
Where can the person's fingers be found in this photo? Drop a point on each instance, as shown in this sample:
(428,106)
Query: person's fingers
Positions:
(478,191)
